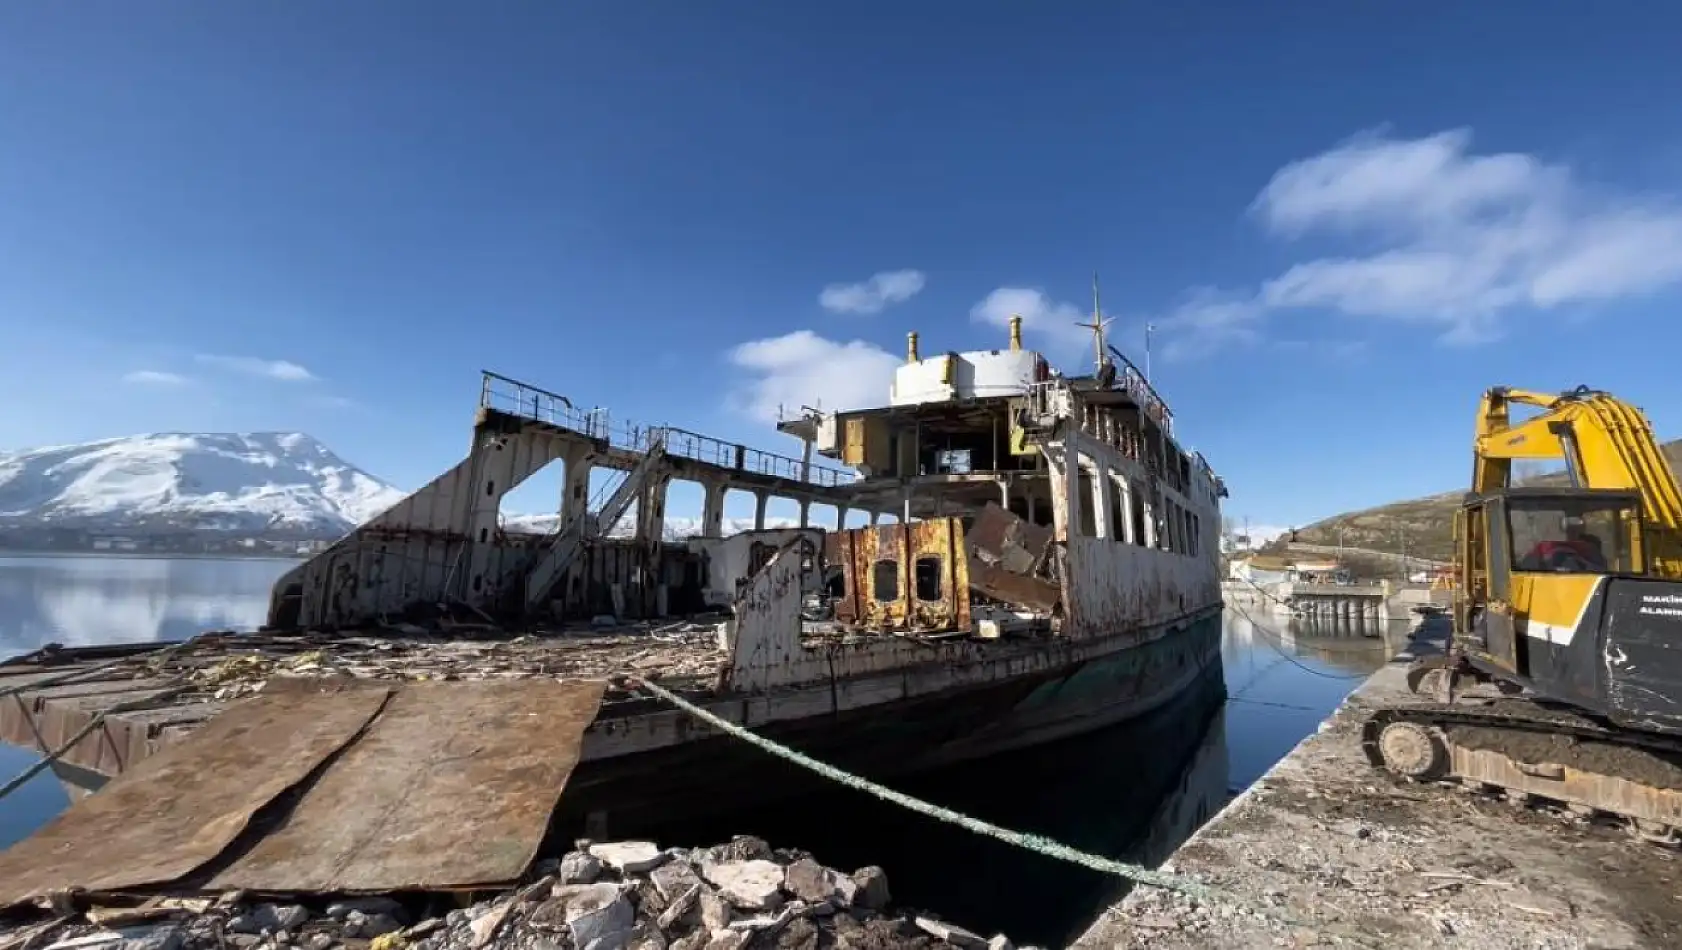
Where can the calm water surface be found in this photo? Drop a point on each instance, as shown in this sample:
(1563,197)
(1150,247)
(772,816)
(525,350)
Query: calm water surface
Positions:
(1106,792)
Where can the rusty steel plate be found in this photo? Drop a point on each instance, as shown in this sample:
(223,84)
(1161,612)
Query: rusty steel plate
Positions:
(180,808)
(452,786)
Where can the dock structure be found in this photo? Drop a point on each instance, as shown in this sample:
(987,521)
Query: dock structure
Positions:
(1353,854)
(1355,602)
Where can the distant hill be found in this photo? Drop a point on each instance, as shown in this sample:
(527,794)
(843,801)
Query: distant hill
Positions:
(1426,523)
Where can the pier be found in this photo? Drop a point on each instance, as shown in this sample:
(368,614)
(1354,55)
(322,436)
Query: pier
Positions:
(1354,602)
(1359,858)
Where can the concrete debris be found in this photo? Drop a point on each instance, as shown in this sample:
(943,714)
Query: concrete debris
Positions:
(629,857)
(579,867)
(630,895)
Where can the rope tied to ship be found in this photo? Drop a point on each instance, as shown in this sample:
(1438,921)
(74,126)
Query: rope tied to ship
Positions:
(1039,844)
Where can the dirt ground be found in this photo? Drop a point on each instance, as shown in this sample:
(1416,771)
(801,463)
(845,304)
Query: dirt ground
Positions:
(1357,858)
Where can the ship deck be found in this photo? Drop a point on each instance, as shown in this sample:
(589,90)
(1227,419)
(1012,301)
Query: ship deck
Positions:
(152,695)
(150,698)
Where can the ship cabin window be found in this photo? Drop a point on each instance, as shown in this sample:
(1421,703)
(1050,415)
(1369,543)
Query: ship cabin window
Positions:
(1082,503)
(1136,501)
(926,573)
(953,462)
(884,580)
(1118,509)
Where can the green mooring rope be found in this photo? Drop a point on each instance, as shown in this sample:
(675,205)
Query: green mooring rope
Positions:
(1032,842)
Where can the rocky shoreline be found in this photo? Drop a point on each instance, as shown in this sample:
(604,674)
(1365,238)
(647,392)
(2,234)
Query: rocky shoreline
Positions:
(629,895)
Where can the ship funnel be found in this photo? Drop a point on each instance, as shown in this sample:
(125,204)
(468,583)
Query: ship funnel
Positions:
(911,347)
(1015,332)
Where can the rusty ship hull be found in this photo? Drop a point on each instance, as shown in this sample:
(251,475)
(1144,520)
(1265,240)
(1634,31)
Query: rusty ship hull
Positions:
(1039,557)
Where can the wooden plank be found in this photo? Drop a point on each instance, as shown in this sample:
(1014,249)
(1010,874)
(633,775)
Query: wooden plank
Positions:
(180,808)
(453,786)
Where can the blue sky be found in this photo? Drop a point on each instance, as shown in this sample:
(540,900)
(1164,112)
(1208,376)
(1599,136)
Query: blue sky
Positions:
(328,217)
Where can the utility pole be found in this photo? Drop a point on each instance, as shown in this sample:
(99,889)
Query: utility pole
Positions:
(1148,328)
(1402,531)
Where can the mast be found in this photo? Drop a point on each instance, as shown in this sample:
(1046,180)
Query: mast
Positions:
(1097,327)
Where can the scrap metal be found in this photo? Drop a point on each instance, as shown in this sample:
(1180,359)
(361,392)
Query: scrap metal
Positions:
(451,787)
(181,807)
(1006,553)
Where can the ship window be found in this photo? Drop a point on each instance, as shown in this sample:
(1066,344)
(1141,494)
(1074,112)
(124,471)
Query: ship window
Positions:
(1082,503)
(1136,499)
(1118,509)
(885,580)
(927,575)
(953,462)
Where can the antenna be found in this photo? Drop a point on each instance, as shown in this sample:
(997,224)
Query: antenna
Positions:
(1097,325)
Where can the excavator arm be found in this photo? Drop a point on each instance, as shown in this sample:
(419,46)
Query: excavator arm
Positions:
(1604,442)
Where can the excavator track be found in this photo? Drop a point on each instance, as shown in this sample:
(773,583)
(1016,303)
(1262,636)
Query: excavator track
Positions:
(1529,752)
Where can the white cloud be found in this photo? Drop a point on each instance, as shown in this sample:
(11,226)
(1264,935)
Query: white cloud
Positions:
(872,295)
(282,370)
(802,368)
(1207,320)
(1451,240)
(1053,323)
(154,377)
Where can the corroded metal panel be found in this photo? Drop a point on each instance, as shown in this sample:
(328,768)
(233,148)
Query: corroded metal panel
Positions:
(912,577)
(452,787)
(178,809)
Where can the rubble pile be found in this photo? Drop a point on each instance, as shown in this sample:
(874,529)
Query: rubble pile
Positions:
(628,895)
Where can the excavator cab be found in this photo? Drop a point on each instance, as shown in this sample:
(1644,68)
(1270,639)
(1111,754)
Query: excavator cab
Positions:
(1555,589)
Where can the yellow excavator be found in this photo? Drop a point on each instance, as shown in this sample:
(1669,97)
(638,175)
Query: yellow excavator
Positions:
(1563,676)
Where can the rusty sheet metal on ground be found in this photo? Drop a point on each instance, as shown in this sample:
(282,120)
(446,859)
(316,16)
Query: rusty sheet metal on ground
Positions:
(178,809)
(452,786)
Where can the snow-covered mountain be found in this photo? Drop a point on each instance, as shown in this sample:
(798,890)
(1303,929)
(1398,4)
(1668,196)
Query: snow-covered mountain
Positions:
(247,482)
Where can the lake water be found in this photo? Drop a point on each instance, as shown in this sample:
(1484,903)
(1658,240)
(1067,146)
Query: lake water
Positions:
(1106,792)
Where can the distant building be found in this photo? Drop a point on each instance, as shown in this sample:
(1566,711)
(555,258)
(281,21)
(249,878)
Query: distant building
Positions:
(1259,569)
(1320,572)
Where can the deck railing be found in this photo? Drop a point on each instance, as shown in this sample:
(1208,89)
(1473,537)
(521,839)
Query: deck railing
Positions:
(507,395)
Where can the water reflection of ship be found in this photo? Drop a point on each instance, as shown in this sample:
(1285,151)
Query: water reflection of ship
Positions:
(1133,791)
(1359,646)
